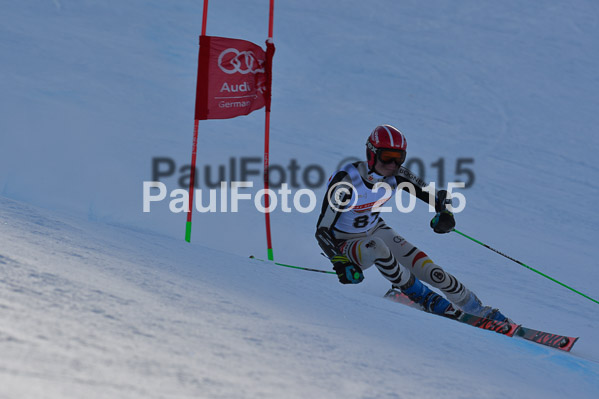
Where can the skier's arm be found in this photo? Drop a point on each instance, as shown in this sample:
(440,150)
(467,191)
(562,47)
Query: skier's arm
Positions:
(335,201)
(404,175)
(443,221)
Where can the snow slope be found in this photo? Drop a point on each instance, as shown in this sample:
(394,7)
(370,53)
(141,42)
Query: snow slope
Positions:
(100,299)
(96,311)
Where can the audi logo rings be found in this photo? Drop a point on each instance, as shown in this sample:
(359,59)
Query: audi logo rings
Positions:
(243,62)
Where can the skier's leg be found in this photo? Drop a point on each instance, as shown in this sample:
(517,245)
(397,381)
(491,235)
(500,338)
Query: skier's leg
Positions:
(425,269)
(422,266)
(366,251)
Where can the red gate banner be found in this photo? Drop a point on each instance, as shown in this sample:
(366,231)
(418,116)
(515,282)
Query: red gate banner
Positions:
(232,78)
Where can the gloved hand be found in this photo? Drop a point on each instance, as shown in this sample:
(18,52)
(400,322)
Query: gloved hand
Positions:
(443,222)
(347,272)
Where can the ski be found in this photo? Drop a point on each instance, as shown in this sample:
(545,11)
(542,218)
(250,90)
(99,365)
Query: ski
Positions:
(501,327)
(561,342)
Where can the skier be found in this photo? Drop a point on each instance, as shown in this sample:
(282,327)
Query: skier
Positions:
(354,237)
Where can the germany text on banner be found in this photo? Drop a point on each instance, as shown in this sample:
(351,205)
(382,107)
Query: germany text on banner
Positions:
(232,78)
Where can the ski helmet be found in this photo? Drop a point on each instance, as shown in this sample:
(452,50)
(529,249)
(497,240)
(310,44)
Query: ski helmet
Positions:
(387,141)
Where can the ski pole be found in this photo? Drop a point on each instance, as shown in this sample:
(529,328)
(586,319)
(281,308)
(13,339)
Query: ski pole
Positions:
(526,266)
(294,267)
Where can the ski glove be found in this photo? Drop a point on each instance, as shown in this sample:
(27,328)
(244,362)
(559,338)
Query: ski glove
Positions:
(443,222)
(347,272)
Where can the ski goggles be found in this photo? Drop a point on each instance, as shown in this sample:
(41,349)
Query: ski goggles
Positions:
(388,156)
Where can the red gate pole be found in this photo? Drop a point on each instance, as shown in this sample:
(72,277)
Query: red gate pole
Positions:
(194,151)
(267,139)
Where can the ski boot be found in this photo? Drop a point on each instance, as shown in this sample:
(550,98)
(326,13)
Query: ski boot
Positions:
(428,300)
(474,306)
